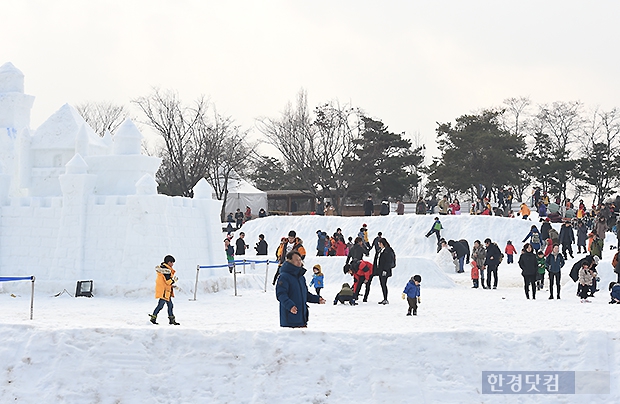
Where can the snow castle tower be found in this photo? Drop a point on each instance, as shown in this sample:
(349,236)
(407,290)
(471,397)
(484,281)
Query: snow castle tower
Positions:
(15,109)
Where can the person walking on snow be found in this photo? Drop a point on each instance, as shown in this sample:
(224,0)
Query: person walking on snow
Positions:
(493,255)
(164,282)
(534,236)
(510,251)
(567,238)
(582,236)
(529,267)
(293,294)
(554,262)
(412,293)
(386,260)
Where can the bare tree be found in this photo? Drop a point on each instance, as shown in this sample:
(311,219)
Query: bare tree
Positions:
(316,147)
(102,116)
(515,117)
(195,146)
(558,125)
(600,154)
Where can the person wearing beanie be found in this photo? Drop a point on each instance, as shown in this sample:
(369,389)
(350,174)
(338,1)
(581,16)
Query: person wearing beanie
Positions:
(317,279)
(164,282)
(345,295)
(412,293)
(291,243)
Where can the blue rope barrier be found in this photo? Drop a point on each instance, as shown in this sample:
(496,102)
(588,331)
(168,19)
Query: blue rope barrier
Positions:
(15,278)
(239,262)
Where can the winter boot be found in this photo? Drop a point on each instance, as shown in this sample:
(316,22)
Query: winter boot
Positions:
(173,321)
(153,318)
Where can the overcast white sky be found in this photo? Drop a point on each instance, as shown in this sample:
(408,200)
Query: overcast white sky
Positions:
(408,63)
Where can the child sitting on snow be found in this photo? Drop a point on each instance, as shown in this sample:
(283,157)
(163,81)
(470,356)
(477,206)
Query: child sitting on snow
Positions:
(345,295)
(317,279)
(412,292)
(475,273)
(510,250)
(614,291)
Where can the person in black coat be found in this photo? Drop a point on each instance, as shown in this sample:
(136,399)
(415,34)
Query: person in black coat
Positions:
(544,229)
(261,246)
(239,218)
(369,206)
(567,238)
(386,260)
(385,207)
(461,251)
(466,244)
(240,243)
(357,251)
(582,236)
(492,261)
(529,267)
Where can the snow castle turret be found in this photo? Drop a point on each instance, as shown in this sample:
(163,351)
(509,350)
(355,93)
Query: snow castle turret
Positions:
(15,109)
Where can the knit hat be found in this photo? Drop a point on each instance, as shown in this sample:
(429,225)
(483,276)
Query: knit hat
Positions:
(292,233)
(416,278)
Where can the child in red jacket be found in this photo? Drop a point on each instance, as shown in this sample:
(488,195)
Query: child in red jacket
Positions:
(475,273)
(510,250)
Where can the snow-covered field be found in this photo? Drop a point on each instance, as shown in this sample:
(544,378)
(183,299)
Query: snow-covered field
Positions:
(231,349)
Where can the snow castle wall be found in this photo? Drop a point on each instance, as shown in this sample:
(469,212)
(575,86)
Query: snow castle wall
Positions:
(122,239)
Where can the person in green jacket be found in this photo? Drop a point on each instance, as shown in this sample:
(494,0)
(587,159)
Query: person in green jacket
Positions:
(542,267)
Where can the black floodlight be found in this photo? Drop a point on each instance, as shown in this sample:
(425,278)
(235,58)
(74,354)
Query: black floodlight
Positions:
(84,288)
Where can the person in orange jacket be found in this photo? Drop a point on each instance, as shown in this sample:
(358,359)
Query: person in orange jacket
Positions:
(163,289)
(288,244)
(525,211)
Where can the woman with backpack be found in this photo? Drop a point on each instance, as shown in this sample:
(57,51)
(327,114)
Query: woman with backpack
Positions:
(534,236)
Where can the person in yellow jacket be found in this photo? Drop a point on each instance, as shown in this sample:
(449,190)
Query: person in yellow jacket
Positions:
(525,211)
(163,289)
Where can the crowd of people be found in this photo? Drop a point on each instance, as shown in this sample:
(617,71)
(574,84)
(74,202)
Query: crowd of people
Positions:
(540,256)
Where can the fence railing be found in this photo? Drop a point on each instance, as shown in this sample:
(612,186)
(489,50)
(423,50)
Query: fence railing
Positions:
(235,263)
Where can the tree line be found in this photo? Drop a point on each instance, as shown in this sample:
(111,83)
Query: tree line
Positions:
(340,152)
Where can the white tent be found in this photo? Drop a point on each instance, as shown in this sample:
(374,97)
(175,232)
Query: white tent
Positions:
(241,194)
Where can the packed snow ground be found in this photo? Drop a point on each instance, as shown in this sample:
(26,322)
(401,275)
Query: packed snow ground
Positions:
(231,349)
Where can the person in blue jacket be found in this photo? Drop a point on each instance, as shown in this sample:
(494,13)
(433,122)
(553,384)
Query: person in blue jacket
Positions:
(534,236)
(554,262)
(292,292)
(317,279)
(614,289)
(412,292)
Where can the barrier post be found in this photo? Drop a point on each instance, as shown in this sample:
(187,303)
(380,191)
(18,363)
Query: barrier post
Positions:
(244,266)
(266,275)
(196,284)
(32,298)
(235,279)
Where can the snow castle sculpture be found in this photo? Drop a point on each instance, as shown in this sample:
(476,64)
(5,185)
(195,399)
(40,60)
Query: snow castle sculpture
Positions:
(76,206)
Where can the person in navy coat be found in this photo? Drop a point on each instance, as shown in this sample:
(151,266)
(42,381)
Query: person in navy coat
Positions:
(293,294)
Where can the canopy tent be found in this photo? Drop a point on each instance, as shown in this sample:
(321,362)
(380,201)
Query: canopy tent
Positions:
(241,194)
